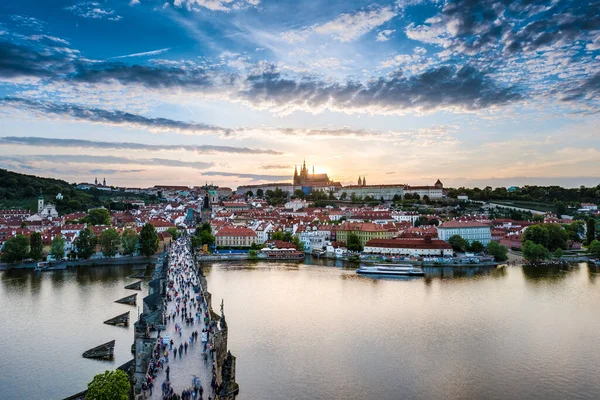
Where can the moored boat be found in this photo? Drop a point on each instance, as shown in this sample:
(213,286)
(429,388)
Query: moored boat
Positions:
(381,269)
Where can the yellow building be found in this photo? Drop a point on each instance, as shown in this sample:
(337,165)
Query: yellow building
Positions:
(364,230)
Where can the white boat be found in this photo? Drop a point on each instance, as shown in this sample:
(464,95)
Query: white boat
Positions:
(382,269)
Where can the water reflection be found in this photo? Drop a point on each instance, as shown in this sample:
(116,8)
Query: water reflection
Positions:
(547,273)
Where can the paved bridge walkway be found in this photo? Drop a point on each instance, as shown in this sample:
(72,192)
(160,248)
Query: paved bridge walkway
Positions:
(192,363)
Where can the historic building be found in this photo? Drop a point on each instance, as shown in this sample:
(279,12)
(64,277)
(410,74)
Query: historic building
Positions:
(304,178)
(469,230)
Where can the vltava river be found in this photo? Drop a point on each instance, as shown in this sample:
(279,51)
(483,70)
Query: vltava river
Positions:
(322,332)
(317,332)
(48,319)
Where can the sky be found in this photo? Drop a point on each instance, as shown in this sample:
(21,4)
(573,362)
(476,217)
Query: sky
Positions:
(184,92)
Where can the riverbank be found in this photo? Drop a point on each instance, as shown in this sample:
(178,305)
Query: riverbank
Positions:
(89,262)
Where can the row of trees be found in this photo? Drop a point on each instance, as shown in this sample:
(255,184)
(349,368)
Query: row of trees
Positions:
(110,241)
(495,249)
(544,194)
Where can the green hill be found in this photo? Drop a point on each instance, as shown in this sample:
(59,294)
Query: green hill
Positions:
(22,191)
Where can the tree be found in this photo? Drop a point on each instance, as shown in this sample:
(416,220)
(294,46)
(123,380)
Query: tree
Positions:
(299,193)
(254,246)
(277,235)
(111,385)
(129,241)
(590,235)
(422,220)
(249,193)
(173,232)
(148,240)
(353,242)
(535,252)
(594,248)
(206,237)
(36,246)
(57,251)
(558,253)
(499,252)
(561,208)
(536,234)
(110,240)
(299,243)
(538,218)
(458,243)
(86,243)
(260,193)
(476,246)
(15,249)
(343,196)
(287,236)
(98,216)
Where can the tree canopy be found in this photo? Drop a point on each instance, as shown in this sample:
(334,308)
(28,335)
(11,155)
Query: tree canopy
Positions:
(551,236)
(148,240)
(98,216)
(353,242)
(129,240)
(15,249)
(535,252)
(36,246)
(110,240)
(458,243)
(57,251)
(594,248)
(499,252)
(111,385)
(86,243)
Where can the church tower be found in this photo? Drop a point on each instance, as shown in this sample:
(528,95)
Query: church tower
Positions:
(364,181)
(40,202)
(295,174)
(104,182)
(96,181)
(359,181)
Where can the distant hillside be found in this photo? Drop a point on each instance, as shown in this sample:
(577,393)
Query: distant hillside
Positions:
(22,191)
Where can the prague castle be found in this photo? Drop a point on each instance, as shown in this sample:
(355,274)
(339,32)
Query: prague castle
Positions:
(304,178)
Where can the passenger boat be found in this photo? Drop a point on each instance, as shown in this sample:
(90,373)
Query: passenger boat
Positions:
(381,269)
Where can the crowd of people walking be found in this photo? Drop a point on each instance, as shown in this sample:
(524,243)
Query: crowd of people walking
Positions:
(189,335)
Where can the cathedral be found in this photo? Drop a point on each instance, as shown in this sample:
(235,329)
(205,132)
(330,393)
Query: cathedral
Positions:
(304,178)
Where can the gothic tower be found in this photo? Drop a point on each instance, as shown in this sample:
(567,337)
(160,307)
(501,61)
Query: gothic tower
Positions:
(364,181)
(359,181)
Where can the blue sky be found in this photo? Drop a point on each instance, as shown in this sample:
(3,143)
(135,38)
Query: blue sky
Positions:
(239,91)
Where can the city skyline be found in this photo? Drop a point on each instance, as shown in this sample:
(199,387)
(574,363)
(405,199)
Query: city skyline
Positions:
(236,92)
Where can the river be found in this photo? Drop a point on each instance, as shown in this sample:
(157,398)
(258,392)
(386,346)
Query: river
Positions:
(319,331)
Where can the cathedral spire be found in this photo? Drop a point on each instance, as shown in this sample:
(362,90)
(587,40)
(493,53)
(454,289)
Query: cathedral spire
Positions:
(364,181)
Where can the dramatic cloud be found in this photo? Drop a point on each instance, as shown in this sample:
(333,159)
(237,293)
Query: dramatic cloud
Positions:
(471,26)
(589,89)
(215,5)
(346,27)
(78,143)
(93,10)
(255,177)
(115,118)
(92,159)
(17,61)
(441,88)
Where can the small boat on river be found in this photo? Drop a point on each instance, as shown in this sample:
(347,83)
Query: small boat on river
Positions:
(44,266)
(382,269)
